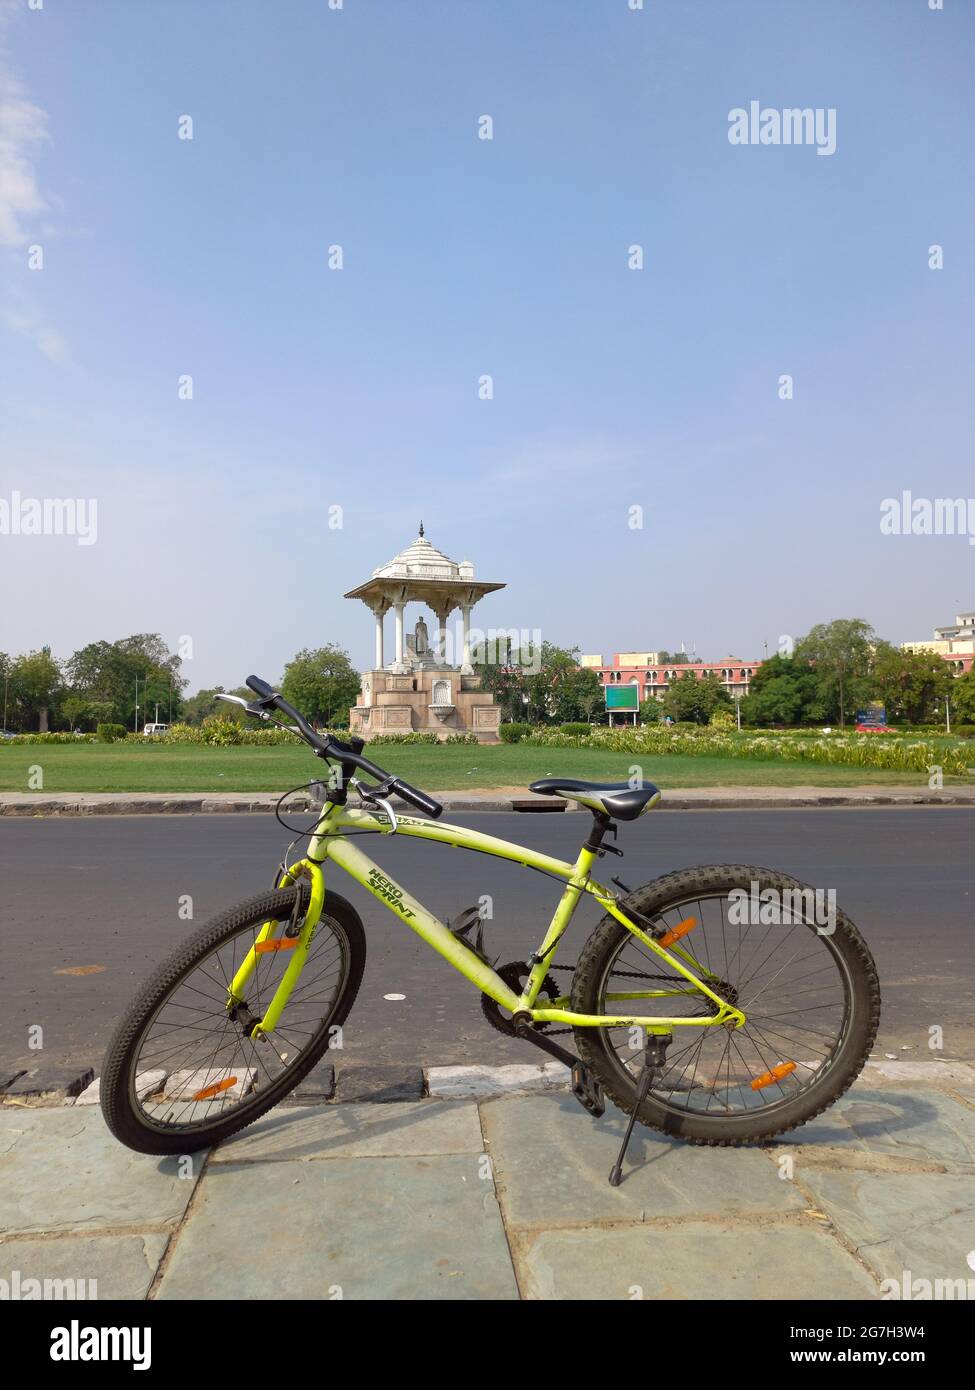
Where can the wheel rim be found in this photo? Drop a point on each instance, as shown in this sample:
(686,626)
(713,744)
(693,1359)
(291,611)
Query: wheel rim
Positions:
(791,982)
(203,1052)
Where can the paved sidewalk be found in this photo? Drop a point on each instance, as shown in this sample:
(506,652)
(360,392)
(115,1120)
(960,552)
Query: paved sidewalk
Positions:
(470,799)
(500,1199)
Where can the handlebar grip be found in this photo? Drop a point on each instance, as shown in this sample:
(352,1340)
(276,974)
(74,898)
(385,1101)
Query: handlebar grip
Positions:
(419,799)
(260,687)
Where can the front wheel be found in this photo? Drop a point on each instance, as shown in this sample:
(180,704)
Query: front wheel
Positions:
(778,950)
(182,1071)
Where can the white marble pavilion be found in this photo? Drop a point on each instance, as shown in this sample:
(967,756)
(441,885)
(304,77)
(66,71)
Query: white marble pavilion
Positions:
(419,688)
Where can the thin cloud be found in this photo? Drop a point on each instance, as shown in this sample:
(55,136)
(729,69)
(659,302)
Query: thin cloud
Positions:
(47,341)
(23,130)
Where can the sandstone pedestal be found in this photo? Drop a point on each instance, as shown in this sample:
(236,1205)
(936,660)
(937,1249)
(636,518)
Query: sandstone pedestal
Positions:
(434,699)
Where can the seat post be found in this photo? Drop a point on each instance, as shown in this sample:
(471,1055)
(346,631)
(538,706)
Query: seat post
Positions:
(601,823)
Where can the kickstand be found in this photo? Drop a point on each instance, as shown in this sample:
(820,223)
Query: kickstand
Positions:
(656,1055)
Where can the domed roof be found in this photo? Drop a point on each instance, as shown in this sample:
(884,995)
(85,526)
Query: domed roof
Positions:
(423,574)
(421,560)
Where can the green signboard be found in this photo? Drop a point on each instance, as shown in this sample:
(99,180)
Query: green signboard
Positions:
(622,697)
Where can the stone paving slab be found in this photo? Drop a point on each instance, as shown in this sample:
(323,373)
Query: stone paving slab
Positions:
(393,1228)
(937,1072)
(692,1260)
(383,1084)
(146,1082)
(552,1161)
(921,1124)
(398,1129)
(897,1222)
(455,1083)
(50,1083)
(911,1125)
(318,1086)
(61,1170)
(98,1267)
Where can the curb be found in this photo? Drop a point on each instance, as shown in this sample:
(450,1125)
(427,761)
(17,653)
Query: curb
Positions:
(749,798)
(382,1085)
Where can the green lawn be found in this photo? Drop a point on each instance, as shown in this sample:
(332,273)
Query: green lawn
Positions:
(157,767)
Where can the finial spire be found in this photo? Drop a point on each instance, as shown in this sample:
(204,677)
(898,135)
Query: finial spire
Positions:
(421,528)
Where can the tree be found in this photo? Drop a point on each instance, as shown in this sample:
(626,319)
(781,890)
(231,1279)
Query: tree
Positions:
(650,710)
(693,699)
(910,684)
(322,683)
(543,686)
(36,683)
(507,684)
(109,671)
(783,690)
(556,685)
(962,697)
(78,712)
(841,653)
(6,670)
(205,703)
(590,700)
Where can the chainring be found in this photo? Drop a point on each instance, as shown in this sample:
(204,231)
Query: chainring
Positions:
(515,974)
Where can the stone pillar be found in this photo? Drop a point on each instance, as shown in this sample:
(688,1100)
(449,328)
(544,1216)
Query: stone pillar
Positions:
(442,614)
(379,638)
(399,633)
(466,668)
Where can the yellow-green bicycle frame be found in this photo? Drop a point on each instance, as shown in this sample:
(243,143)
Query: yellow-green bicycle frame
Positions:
(328,843)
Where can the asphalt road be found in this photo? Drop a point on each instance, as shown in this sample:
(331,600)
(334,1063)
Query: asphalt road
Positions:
(104,893)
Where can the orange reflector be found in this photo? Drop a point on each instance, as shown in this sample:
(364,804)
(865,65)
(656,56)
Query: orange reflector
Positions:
(776,1074)
(280,943)
(675,934)
(209,1091)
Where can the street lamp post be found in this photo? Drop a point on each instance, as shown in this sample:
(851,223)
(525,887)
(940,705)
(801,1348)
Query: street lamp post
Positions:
(135,717)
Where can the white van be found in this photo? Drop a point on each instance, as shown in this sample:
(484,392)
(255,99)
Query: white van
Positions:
(155,729)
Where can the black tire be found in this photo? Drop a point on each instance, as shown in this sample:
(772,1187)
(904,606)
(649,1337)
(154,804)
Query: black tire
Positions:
(675,1108)
(127,1117)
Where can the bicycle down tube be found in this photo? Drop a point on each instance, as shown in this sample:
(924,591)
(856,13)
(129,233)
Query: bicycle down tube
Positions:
(328,843)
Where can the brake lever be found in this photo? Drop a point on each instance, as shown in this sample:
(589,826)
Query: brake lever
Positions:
(373,800)
(393,822)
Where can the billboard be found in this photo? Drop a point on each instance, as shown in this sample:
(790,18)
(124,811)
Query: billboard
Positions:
(622,697)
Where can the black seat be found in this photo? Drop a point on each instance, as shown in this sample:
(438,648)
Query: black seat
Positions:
(616,799)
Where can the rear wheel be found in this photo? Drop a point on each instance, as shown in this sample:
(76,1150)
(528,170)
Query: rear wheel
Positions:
(182,1072)
(794,964)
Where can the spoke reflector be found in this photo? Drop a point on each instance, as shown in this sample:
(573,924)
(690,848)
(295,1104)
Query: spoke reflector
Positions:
(209,1091)
(280,943)
(776,1074)
(675,933)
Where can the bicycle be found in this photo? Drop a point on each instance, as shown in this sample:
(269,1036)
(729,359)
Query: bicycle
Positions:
(240,1013)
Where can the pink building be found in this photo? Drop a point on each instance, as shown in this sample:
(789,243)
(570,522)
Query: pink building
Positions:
(653,676)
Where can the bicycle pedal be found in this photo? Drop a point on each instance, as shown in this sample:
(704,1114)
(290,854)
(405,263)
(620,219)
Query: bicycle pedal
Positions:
(587,1091)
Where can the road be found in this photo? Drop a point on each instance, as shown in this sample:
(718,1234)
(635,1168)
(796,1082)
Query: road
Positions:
(101,896)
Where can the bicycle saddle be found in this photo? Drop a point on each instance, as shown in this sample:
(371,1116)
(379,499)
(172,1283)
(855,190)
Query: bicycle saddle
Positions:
(616,799)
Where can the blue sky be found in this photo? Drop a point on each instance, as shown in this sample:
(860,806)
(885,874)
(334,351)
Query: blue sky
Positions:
(358,388)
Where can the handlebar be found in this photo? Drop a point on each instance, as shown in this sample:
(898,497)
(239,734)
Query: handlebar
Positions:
(349,755)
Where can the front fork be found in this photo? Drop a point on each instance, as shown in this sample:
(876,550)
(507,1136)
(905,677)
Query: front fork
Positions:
(267,941)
